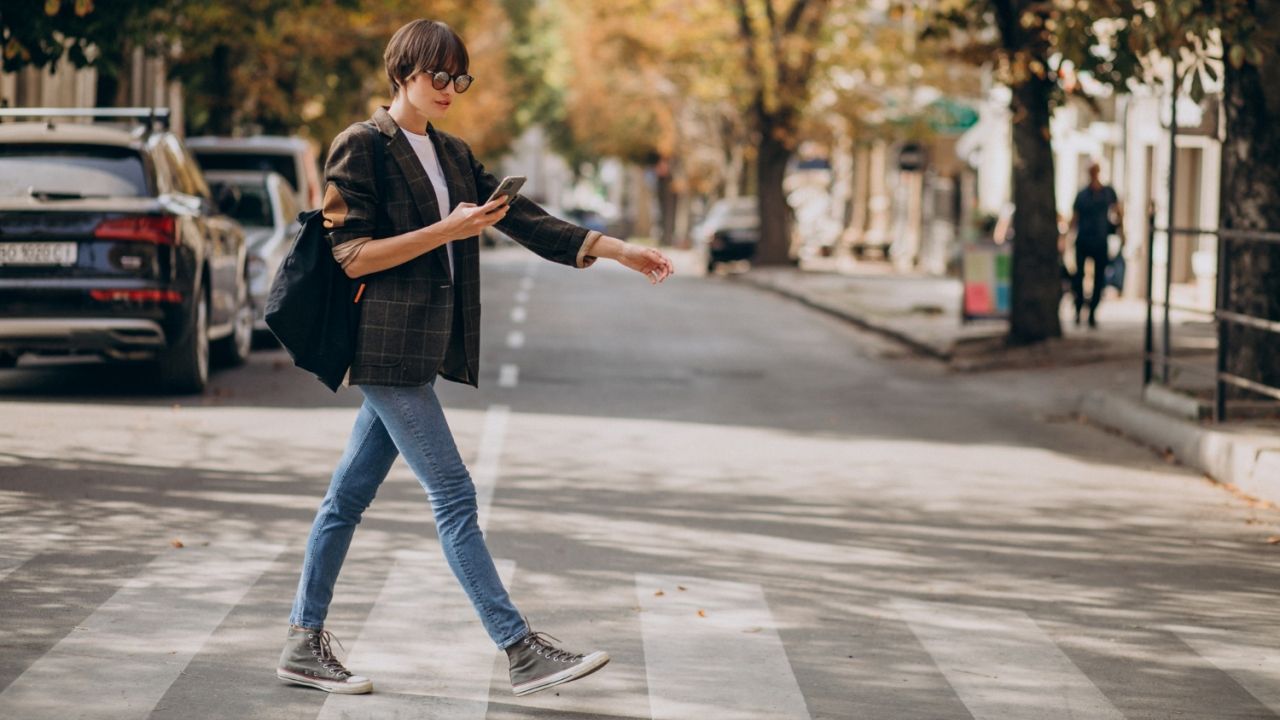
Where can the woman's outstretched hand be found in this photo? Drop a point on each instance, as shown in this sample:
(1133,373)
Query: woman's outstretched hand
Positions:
(646,261)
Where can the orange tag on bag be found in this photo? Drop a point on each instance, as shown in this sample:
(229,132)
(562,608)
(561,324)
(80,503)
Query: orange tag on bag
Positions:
(359,292)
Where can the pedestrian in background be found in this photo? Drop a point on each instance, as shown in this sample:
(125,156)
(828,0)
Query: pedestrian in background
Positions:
(1095,206)
(417,252)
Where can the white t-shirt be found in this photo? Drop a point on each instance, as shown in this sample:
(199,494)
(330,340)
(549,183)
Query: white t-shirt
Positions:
(426,153)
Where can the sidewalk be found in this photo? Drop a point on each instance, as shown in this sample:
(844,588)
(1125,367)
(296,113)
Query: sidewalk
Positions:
(923,312)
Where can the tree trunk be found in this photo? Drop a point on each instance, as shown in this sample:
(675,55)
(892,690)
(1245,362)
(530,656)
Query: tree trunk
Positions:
(775,215)
(666,202)
(1037,285)
(1251,201)
(219,86)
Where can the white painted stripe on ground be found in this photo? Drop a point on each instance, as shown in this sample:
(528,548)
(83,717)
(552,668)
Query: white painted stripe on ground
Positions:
(1002,665)
(423,646)
(508,375)
(522,296)
(1256,667)
(515,339)
(122,659)
(518,314)
(727,663)
(489,458)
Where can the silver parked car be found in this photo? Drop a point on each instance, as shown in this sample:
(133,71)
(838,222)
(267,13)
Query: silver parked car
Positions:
(292,157)
(265,205)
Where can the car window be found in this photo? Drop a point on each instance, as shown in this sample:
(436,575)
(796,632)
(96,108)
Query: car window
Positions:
(186,169)
(262,162)
(71,170)
(254,206)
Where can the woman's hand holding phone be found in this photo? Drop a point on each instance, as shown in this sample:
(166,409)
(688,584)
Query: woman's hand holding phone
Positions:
(468,219)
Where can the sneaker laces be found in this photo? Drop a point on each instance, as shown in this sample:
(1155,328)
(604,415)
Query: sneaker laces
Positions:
(540,642)
(322,648)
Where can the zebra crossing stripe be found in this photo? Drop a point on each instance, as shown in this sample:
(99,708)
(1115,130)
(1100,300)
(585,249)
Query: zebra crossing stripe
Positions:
(120,661)
(1254,666)
(712,650)
(1002,665)
(489,459)
(423,647)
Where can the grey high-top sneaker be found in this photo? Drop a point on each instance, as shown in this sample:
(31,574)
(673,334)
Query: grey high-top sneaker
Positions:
(308,660)
(536,664)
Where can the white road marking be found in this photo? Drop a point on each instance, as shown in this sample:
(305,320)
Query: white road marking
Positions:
(122,659)
(518,314)
(1002,665)
(712,650)
(489,458)
(508,375)
(423,646)
(522,296)
(1254,665)
(515,339)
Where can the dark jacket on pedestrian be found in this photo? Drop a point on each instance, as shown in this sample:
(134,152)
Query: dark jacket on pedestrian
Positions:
(417,320)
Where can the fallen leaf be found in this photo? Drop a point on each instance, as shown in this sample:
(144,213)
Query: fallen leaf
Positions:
(681,588)
(659,594)
(702,613)
(176,543)
(1273,540)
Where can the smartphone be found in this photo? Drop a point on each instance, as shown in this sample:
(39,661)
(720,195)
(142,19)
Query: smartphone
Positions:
(509,186)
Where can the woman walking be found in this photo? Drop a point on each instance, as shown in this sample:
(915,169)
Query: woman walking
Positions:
(411,236)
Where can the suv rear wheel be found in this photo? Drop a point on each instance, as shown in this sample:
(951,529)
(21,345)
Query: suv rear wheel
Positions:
(184,367)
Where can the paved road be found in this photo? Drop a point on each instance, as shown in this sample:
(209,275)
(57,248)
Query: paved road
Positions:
(761,514)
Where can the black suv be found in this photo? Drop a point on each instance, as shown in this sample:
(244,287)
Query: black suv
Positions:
(111,244)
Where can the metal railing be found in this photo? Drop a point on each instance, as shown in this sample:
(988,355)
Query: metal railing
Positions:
(1162,355)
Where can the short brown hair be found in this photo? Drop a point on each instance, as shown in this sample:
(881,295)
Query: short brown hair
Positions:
(424,45)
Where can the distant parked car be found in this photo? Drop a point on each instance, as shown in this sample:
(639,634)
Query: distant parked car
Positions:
(292,157)
(265,204)
(111,244)
(730,231)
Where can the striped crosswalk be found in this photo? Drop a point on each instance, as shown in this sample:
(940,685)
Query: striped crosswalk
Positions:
(711,648)
(137,643)
(1002,665)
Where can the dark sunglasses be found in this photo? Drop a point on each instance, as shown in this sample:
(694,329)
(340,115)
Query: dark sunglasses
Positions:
(440,80)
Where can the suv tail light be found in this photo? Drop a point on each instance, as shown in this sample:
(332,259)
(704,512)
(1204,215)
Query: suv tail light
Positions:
(141,296)
(158,229)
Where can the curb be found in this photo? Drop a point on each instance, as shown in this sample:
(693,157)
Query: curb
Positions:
(1251,464)
(888,331)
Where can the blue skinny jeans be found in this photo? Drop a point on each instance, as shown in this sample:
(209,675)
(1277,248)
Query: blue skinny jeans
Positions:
(404,421)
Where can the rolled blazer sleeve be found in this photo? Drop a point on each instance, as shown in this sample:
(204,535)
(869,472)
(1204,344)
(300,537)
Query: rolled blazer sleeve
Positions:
(531,226)
(350,195)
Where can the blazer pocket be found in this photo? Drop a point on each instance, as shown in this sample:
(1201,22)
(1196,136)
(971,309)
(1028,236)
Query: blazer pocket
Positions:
(378,344)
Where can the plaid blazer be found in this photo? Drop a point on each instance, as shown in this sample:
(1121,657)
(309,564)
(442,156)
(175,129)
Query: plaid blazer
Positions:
(416,321)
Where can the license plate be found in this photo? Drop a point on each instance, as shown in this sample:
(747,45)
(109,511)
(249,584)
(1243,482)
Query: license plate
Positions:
(31,253)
